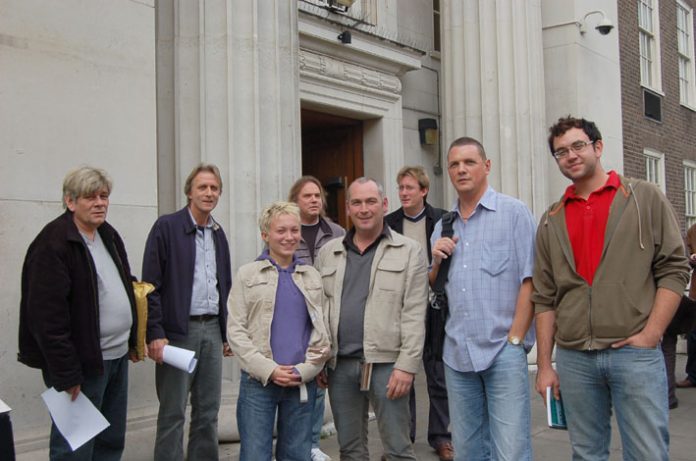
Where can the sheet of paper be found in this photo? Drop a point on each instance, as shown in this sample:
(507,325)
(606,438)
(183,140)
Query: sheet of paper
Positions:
(182,359)
(79,421)
(4,408)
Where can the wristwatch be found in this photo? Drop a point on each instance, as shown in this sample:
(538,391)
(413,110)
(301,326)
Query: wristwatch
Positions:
(514,340)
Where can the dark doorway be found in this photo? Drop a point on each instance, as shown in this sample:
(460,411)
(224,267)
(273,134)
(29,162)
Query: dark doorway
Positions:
(332,151)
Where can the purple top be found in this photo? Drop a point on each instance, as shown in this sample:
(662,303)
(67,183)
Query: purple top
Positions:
(291,326)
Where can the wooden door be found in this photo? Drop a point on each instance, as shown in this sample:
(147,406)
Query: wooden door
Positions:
(332,152)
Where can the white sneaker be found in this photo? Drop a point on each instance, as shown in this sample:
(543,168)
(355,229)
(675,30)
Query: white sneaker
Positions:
(318,455)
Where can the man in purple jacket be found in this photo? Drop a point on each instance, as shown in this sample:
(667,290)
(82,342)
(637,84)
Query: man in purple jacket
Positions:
(187,259)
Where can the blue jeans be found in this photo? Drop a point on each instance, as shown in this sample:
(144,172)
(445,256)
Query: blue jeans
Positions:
(630,379)
(490,410)
(318,417)
(204,385)
(256,413)
(350,405)
(691,356)
(109,393)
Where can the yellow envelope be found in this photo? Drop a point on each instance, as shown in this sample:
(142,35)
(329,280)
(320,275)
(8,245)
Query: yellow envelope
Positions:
(141,290)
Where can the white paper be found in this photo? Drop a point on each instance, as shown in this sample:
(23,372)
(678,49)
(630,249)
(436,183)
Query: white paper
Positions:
(79,421)
(4,408)
(182,359)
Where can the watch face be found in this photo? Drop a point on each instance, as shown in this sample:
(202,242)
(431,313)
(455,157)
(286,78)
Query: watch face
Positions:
(515,340)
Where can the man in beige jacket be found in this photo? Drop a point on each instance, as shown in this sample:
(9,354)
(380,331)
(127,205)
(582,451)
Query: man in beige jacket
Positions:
(376,289)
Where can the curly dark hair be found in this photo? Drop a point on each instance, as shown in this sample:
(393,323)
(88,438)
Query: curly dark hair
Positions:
(566,123)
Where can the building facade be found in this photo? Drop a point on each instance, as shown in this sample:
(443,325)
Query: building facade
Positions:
(272,89)
(658,96)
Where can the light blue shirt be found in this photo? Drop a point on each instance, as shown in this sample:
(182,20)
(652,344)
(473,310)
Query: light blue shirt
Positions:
(494,254)
(205,297)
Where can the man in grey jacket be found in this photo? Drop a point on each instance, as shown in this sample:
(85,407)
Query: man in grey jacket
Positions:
(317,229)
(379,275)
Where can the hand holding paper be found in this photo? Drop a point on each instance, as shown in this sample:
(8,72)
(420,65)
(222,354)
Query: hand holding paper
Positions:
(79,421)
(180,358)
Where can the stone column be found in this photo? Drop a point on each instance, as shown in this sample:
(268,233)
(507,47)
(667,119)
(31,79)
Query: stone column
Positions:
(228,93)
(493,90)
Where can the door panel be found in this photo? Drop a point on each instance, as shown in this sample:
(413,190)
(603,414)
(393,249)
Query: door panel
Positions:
(332,152)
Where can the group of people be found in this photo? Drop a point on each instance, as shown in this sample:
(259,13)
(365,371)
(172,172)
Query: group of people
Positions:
(321,308)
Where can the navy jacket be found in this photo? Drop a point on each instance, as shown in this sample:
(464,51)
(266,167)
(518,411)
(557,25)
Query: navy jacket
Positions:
(168,264)
(59,311)
(395,220)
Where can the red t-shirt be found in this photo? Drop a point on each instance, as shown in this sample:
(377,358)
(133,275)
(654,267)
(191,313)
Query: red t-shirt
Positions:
(586,221)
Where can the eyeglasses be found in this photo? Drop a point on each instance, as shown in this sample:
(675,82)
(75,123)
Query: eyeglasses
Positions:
(576,147)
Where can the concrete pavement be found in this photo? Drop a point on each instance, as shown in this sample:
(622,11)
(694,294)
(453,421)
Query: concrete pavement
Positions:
(548,444)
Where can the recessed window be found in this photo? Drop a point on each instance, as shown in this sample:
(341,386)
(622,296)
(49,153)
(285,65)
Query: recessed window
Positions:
(649,38)
(655,168)
(436,25)
(685,51)
(690,193)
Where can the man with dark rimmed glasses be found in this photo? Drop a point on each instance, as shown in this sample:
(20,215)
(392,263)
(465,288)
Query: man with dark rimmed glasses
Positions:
(609,273)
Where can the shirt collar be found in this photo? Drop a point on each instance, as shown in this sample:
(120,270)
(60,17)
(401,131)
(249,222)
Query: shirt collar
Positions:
(348,238)
(613,182)
(265,255)
(489,201)
(210,224)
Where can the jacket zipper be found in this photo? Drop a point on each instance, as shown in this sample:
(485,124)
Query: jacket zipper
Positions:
(589,315)
(95,289)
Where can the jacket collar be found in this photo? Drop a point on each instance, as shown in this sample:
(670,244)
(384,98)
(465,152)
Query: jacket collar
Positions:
(106,232)
(184,216)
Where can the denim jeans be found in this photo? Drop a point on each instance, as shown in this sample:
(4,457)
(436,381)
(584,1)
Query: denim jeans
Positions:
(256,412)
(318,417)
(109,393)
(691,356)
(204,385)
(490,410)
(630,379)
(350,405)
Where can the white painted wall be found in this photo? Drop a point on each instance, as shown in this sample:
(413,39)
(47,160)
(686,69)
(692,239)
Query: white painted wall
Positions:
(582,77)
(76,87)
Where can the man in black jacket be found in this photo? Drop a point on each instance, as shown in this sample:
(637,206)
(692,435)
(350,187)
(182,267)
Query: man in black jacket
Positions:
(77,314)
(416,219)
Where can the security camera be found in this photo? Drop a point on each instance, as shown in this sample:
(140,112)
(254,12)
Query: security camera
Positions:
(605,26)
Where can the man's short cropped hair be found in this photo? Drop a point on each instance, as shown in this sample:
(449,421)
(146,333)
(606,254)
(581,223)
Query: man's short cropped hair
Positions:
(566,123)
(365,180)
(467,141)
(84,182)
(201,167)
(274,210)
(416,172)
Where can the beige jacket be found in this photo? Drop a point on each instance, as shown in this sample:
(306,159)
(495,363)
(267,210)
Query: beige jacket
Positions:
(395,309)
(250,313)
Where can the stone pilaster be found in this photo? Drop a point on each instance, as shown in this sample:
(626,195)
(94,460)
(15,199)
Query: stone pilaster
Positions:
(228,93)
(493,90)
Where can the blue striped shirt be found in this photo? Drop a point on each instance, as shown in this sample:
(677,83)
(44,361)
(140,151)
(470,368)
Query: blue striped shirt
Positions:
(494,254)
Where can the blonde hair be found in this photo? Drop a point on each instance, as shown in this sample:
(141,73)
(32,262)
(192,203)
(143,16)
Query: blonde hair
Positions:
(416,172)
(85,181)
(274,210)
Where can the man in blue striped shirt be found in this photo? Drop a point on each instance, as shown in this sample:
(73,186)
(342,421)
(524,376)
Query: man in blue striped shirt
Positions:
(488,330)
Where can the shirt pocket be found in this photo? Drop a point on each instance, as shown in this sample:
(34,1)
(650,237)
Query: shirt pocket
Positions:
(389,276)
(494,258)
(328,280)
(257,288)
